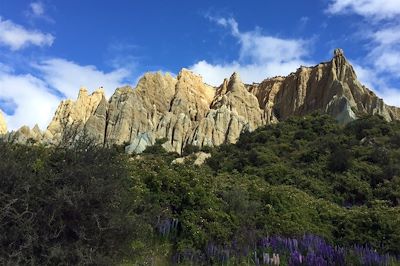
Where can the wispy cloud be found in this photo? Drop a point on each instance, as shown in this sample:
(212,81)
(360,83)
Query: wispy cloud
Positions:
(259,55)
(67,76)
(381,35)
(37,8)
(370,9)
(17,37)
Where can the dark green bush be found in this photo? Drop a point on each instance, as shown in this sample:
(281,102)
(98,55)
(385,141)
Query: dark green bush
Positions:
(63,206)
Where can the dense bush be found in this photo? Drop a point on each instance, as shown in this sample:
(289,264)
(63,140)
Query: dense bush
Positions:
(63,206)
(348,165)
(334,190)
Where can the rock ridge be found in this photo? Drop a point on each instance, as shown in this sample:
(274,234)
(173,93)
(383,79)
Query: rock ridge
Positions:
(184,110)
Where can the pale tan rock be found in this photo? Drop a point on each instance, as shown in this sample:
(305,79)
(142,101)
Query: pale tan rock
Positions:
(220,126)
(3,124)
(71,114)
(319,88)
(192,96)
(239,100)
(96,125)
(201,158)
(198,158)
(184,110)
(180,160)
(132,112)
(26,135)
(162,106)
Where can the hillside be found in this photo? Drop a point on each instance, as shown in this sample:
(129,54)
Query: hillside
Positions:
(186,111)
(306,191)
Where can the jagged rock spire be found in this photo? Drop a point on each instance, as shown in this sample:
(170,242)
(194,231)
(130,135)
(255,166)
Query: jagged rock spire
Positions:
(338,52)
(341,67)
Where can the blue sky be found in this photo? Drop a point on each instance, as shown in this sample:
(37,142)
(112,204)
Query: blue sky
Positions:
(49,49)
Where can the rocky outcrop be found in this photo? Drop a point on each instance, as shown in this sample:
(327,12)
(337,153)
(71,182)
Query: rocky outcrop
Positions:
(3,124)
(184,110)
(197,158)
(74,115)
(331,87)
(233,110)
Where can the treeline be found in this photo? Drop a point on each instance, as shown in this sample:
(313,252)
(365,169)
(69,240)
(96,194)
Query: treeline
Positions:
(306,191)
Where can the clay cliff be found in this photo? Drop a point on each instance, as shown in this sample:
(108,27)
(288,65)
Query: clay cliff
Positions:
(3,125)
(184,110)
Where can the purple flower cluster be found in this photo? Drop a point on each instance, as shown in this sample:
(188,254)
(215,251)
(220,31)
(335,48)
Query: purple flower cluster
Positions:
(308,250)
(369,256)
(277,250)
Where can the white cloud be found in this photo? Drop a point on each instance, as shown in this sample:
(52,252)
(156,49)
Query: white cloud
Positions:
(32,97)
(260,56)
(35,97)
(382,36)
(17,37)
(372,9)
(37,8)
(214,74)
(67,77)
(385,49)
(387,35)
(373,80)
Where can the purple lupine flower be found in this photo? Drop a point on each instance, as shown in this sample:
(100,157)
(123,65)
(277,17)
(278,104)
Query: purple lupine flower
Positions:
(314,260)
(370,257)
(295,258)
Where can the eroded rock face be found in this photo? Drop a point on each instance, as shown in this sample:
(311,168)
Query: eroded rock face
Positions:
(3,124)
(331,87)
(74,115)
(184,110)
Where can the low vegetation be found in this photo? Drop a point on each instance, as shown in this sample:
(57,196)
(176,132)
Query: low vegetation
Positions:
(306,191)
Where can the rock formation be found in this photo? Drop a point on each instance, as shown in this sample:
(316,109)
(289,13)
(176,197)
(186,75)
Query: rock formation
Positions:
(331,87)
(74,115)
(184,110)
(3,125)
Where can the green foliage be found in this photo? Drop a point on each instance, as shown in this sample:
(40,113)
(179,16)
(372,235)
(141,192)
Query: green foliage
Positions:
(157,148)
(189,149)
(63,206)
(308,175)
(348,165)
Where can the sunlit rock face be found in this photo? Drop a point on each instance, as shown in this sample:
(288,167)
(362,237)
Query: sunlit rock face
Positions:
(3,124)
(184,110)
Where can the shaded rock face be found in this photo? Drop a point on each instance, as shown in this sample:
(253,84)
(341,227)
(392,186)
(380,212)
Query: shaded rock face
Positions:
(184,110)
(3,125)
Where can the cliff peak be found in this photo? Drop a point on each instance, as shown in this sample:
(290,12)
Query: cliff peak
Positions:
(338,52)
